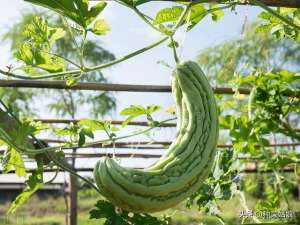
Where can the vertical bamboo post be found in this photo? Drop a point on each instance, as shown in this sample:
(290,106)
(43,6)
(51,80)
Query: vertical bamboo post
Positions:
(73,195)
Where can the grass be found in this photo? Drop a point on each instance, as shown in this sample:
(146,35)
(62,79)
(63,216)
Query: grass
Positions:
(51,211)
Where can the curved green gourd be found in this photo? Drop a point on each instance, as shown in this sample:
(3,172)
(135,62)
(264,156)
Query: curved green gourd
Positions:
(187,162)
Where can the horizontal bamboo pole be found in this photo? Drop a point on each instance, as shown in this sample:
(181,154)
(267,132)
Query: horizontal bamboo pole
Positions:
(135,144)
(114,122)
(117,155)
(247,170)
(93,86)
(273,3)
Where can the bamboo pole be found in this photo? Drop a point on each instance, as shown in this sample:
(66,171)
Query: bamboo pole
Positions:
(246,170)
(272,3)
(93,86)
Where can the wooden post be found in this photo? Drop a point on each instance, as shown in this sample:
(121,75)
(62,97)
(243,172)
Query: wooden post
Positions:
(299,189)
(73,195)
(73,200)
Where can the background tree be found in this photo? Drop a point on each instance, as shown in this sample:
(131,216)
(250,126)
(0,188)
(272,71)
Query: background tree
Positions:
(252,51)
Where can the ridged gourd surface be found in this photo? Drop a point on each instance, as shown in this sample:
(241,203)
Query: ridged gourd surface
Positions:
(186,164)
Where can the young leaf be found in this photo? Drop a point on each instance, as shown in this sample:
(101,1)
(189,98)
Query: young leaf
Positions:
(100,27)
(168,15)
(40,34)
(216,15)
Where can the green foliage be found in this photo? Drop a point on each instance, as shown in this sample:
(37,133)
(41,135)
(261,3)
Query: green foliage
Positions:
(34,183)
(77,10)
(168,15)
(105,210)
(34,52)
(276,98)
(39,34)
(197,12)
(138,110)
(221,184)
(246,54)
(13,160)
(277,27)
(40,55)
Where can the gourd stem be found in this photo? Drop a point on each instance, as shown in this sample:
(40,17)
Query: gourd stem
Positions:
(173,44)
(145,19)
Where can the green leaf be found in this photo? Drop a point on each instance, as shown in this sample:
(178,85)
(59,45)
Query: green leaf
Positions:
(100,27)
(76,10)
(14,160)
(81,140)
(216,15)
(168,15)
(40,34)
(25,54)
(55,34)
(105,210)
(94,125)
(198,12)
(95,11)
(134,110)
(34,183)
(49,62)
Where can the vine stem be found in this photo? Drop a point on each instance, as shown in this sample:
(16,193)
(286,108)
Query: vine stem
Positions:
(10,142)
(142,16)
(121,137)
(274,13)
(74,72)
(135,53)
(81,54)
(52,155)
(220,219)
(181,19)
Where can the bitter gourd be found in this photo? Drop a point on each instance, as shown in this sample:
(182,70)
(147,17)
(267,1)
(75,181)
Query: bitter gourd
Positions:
(187,162)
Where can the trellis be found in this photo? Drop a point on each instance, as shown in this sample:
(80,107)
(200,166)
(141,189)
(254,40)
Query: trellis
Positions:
(141,145)
(138,145)
(137,88)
